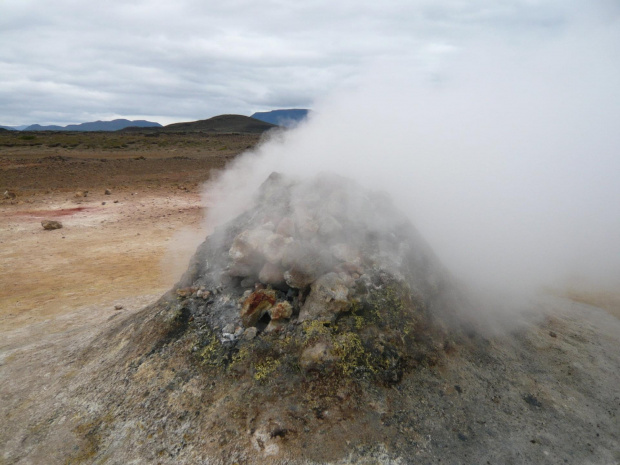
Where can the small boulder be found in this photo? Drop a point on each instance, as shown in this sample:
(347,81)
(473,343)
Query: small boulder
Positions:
(329,295)
(298,280)
(51,224)
(273,247)
(281,311)
(249,334)
(108,192)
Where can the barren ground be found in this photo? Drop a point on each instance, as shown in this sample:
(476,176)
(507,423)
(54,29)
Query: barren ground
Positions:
(105,252)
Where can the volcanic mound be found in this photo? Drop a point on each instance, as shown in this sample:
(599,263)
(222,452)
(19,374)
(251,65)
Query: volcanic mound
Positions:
(319,280)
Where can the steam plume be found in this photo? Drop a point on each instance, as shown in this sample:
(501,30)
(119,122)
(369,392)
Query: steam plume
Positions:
(505,158)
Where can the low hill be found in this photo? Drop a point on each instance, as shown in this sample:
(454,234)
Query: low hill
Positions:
(222,124)
(285,118)
(114,125)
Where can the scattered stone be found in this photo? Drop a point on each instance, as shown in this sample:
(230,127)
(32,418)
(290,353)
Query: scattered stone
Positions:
(102,203)
(275,325)
(249,333)
(9,195)
(552,334)
(118,307)
(297,279)
(329,295)
(272,249)
(186,291)
(51,224)
(281,311)
(116,201)
(108,192)
(229,328)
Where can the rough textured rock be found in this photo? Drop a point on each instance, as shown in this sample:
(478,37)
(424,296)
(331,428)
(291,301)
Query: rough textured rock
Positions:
(51,224)
(256,305)
(329,295)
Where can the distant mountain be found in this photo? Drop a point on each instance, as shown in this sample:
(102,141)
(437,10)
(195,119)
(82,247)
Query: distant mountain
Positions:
(222,124)
(14,128)
(38,127)
(286,118)
(114,125)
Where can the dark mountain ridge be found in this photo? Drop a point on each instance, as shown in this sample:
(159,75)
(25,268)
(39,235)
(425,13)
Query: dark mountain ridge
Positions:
(221,124)
(113,125)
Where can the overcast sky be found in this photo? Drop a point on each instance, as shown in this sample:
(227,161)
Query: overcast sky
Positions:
(71,61)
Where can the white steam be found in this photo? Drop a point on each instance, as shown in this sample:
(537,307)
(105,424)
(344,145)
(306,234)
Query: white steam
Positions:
(506,158)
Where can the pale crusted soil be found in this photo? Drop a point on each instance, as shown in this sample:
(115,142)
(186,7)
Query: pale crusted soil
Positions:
(102,254)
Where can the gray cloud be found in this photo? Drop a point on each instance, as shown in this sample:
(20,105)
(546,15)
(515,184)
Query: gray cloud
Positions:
(71,61)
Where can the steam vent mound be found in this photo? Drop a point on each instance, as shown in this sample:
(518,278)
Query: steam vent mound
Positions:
(321,283)
(318,327)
